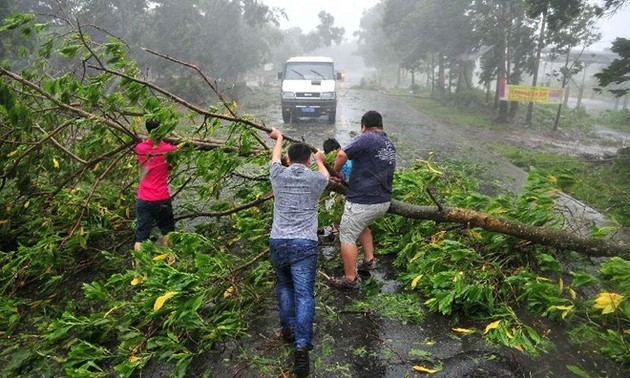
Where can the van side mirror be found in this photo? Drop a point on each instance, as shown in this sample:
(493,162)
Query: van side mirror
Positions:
(340,75)
(279,75)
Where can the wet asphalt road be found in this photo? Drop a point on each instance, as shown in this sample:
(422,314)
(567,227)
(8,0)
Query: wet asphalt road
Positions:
(364,344)
(414,134)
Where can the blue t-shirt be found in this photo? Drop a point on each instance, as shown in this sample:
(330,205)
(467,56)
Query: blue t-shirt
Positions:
(345,170)
(373,158)
(296,190)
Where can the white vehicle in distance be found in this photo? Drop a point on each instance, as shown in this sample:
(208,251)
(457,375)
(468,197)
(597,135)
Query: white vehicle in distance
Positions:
(309,88)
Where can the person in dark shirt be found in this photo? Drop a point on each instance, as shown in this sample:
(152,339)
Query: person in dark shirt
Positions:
(373,157)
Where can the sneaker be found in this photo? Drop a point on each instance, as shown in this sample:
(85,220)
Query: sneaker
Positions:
(344,283)
(367,266)
(301,368)
(288,335)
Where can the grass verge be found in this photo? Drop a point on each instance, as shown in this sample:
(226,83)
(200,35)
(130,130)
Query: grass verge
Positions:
(604,183)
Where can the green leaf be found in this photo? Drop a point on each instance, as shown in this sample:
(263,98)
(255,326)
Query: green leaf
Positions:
(46,49)
(69,51)
(577,371)
(16,21)
(582,279)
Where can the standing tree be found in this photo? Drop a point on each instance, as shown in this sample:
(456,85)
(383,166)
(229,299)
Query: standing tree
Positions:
(618,72)
(581,31)
(373,43)
(553,15)
(423,29)
(325,34)
(294,42)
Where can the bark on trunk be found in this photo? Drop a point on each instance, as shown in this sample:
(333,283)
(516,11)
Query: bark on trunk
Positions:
(562,240)
(559,239)
(541,43)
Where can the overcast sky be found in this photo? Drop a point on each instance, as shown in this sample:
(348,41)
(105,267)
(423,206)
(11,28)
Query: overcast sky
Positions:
(348,13)
(303,13)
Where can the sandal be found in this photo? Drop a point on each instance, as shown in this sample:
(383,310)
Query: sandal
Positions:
(344,283)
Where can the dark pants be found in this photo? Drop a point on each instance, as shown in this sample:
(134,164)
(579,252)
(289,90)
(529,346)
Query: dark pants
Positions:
(149,212)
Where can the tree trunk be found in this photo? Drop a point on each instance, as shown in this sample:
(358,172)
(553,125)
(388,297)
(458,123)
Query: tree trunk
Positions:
(441,75)
(581,91)
(541,41)
(432,74)
(563,241)
(565,100)
(501,69)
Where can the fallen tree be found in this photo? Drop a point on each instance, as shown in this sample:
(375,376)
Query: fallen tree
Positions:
(559,239)
(552,237)
(67,187)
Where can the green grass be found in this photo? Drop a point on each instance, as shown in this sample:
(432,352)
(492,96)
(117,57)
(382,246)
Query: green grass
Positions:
(438,110)
(603,184)
(444,111)
(616,119)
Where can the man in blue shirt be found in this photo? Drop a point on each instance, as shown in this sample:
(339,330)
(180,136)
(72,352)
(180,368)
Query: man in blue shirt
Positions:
(293,242)
(373,158)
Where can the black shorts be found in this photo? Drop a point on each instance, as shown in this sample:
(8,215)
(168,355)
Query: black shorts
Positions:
(148,212)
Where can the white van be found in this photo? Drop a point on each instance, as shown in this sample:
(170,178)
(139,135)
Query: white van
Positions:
(308,88)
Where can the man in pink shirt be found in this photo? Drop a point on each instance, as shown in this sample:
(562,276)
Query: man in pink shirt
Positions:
(154,200)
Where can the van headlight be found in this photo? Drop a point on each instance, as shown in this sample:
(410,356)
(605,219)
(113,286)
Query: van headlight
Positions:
(328,96)
(288,95)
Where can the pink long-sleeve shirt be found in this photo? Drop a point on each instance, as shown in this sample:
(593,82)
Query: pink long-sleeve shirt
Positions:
(153,170)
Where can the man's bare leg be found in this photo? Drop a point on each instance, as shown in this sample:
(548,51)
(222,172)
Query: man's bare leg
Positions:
(349,257)
(164,241)
(365,238)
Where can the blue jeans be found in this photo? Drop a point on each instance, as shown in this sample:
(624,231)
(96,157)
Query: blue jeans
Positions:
(295,262)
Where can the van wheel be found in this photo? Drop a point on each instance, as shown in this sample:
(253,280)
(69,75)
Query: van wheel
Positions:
(332,116)
(286,116)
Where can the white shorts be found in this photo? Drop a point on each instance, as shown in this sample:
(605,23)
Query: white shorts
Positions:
(356,217)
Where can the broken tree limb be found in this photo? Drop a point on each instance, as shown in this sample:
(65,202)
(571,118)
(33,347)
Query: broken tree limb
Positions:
(556,238)
(559,239)
(562,240)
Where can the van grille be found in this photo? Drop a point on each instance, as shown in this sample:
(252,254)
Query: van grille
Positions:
(308,94)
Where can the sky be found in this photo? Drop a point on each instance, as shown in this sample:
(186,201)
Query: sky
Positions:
(348,13)
(303,13)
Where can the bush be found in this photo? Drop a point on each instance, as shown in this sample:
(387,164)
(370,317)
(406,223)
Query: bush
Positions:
(617,119)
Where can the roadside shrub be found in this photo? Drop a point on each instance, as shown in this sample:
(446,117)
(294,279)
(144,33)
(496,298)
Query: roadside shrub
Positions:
(469,101)
(491,278)
(576,119)
(544,117)
(370,83)
(617,119)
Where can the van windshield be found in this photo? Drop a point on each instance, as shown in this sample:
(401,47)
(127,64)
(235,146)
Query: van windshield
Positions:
(309,71)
